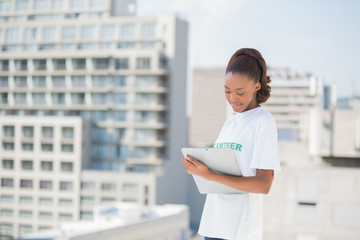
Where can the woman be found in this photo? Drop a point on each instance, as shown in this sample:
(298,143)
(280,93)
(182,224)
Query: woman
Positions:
(239,216)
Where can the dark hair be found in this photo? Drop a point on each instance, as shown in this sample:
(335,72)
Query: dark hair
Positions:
(249,62)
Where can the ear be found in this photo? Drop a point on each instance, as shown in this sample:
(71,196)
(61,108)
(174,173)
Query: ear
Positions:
(257,86)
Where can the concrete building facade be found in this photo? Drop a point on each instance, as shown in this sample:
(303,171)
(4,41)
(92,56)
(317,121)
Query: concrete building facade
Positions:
(120,76)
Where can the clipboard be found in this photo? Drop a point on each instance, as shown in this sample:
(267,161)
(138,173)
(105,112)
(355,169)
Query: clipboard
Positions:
(218,160)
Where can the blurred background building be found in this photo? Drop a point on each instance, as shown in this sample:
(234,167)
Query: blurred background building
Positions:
(92,109)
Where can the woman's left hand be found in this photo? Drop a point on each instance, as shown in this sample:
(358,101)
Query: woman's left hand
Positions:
(192,166)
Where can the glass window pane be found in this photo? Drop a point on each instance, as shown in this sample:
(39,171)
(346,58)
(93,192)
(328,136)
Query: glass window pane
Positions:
(22,5)
(68,32)
(88,32)
(12,35)
(49,33)
(148,30)
(108,31)
(77,4)
(58,4)
(41,4)
(128,30)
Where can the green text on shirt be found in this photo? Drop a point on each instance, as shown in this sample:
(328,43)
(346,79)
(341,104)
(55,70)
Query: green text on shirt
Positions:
(232,145)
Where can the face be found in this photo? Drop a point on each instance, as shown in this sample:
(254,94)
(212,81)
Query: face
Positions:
(240,92)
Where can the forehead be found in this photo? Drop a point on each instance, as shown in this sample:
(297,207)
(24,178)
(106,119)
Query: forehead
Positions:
(238,80)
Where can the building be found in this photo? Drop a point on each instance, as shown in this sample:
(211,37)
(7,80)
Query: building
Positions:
(127,222)
(120,76)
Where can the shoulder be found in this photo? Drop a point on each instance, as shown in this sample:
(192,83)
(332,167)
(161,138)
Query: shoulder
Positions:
(264,118)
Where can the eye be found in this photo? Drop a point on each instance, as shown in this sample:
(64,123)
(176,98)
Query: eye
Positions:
(240,94)
(227,91)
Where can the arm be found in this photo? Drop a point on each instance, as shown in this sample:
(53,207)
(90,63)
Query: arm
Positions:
(261,183)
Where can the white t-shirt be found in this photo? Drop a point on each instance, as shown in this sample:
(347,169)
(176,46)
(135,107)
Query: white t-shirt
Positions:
(253,136)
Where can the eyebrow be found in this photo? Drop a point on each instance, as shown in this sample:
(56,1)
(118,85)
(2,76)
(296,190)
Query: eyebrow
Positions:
(235,89)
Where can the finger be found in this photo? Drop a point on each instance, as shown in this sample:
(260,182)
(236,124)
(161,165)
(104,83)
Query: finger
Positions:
(193,160)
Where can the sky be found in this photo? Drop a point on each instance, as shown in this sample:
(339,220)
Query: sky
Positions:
(317,36)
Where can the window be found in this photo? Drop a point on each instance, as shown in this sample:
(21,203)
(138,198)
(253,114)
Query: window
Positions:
(47,132)
(144,135)
(67,166)
(49,33)
(130,187)
(86,215)
(79,63)
(26,165)
(143,98)
(45,215)
(24,229)
(58,98)
(58,4)
(20,82)
(101,63)
(25,214)
(126,45)
(143,63)
(100,151)
(46,147)
(39,81)
(107,31)
(45,184)
(25,183)
(6,228)
(44,228)
(4,65)
(145,81)
(65,202)
(59,81)
(8,131)
(7,198)
(4,82)
(119,81)
(7,182)
(26,200)
(101,81)
(67,148)
(39,98)
(21,65)
(46,166)
(67,132)
(40,4)
(22,5)
(66,186)
(98,116)
(65,216)
(6,213)
(141,152)
(40,64)
(97,3)
(30,34)
(87,201)
(119,116)
(20,98)
(59,64)
(7,164)
(27,147)
(108,186)
(8,146)
(5,6)
(78,98)
(12,35)
(28,132)
(119,98)
(87,32)
(68,32)
(148,30)
(78,81)
(87,185)
(77,4)
(100,98)
(106,200)
(45,201)
(99,134)
(3,98)
(128,30)
(122,63)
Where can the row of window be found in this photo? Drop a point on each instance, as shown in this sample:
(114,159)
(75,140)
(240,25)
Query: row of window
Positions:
(29,147)
(71,32)
(81,99)
(80,81)
(46,132)
(26,5)
(28,165)
(6,212)
(29,184)
(64,186)
(8,228)
(83,46)
(78,64)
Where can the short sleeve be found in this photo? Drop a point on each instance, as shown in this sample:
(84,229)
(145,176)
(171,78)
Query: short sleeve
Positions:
(265,155)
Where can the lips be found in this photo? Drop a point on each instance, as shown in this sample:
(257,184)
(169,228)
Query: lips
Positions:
(235,106)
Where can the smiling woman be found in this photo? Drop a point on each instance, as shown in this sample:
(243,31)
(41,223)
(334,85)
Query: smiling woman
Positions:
(252,134)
